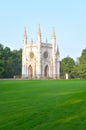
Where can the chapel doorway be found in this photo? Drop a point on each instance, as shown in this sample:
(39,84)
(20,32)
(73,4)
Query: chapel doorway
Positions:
(46,71)
(30,72)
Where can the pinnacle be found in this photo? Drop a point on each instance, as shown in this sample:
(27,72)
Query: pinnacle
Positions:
(25,32)
(53,33)
(39,31)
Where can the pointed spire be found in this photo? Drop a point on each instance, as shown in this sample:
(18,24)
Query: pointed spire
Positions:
(25,32)
(39,31)
(53,33)
(57,50)
(39,34)
(25,36)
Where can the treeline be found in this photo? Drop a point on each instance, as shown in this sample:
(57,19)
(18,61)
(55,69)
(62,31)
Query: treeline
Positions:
(75,69)
(10,62)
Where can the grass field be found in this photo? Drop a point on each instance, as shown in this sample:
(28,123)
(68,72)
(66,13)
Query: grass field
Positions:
(43,105)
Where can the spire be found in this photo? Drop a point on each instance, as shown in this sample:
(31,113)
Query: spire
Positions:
(25,32)
(57,50)
(39,33)
(53,33)
(39,30)
(54,41)
(25,36)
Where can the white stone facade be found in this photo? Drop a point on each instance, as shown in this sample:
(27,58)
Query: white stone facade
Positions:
(40,60)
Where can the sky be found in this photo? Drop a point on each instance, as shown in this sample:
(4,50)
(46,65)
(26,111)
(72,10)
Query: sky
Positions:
(68,17)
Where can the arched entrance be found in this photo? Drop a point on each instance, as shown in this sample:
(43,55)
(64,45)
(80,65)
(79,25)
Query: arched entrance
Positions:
(46,71)
(30,71)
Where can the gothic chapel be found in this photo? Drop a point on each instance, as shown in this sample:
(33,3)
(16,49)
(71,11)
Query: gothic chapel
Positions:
(40,60)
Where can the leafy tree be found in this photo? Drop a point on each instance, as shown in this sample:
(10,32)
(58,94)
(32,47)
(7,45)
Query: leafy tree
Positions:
(1,60)
(67,65)
(10,62)
(17,62)
(81,66)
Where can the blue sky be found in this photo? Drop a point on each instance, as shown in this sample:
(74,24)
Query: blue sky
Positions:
(68,17)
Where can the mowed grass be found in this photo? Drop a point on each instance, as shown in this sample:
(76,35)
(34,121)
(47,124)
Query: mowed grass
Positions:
(43,105)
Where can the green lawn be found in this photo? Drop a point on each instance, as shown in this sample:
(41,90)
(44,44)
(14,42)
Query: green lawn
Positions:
(43,105)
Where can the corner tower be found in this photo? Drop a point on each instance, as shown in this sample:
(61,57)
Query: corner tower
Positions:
(24,42)
(54,52)
(39,48)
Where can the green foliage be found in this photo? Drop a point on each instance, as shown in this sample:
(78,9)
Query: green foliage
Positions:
(43,105)
(10,62)
(75,70)
(80,67)
(1,60)
(67,65)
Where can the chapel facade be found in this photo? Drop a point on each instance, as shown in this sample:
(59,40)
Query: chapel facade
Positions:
(39,59)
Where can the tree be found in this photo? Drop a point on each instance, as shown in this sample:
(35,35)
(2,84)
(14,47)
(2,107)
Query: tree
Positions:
(81,66)
(10,62)
(67,65)
(16,62)
(1,60)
